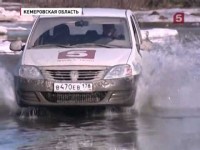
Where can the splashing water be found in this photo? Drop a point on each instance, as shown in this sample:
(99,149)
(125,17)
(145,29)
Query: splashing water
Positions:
(170,81)
(7,95)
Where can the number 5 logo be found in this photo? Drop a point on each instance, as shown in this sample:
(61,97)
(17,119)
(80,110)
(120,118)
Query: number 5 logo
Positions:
(87,54)
(178,18)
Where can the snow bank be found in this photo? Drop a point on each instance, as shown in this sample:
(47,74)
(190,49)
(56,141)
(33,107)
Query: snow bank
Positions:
(3,30)
(5,48)
(17,28)
(6,15)
(166,15)
(159,33)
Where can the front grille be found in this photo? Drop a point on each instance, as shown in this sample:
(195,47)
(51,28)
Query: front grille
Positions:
(82,75)
(74,97)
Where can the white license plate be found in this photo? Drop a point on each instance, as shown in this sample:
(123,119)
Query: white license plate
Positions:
(72,87)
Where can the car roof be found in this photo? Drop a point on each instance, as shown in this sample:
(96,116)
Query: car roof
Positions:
(98,12)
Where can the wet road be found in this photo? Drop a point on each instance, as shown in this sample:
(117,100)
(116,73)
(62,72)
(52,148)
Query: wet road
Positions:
(111,129)
(103,131)
(64,131)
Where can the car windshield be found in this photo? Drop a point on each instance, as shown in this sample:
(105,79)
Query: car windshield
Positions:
(80,32)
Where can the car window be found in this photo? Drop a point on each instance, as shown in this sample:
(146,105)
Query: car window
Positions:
(135,35)
(79,31)
(138,31)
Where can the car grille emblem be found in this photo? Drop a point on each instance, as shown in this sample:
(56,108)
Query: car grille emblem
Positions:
(74,75)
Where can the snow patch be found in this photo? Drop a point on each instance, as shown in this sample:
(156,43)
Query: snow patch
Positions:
(159,33)
(4,47)
(3,30)
(6,15)
(17,28)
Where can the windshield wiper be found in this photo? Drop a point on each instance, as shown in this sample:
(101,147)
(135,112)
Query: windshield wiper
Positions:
(79,45)
(95,44)
(53,45)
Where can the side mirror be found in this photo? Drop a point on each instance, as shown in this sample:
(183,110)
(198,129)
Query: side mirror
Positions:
(16,46)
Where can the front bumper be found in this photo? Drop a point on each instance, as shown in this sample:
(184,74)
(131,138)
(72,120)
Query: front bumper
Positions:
(32,92)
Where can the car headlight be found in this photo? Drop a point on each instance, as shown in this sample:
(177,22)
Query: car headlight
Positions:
(119,71)
(30,72)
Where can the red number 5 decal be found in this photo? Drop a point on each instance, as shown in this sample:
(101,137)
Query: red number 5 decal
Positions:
(87,54)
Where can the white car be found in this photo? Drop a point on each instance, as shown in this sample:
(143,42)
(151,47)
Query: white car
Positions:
(88,60)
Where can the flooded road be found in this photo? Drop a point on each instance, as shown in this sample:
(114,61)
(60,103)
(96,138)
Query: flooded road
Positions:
(166,115)
(65,131)
(107,131)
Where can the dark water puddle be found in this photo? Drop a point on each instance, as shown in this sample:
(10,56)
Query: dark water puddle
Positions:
(74,128)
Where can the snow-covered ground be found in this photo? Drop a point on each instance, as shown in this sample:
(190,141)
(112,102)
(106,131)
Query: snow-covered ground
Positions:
(166,15)
(4,30)
(159,35)
(4,47)
(12,16)
(6,15)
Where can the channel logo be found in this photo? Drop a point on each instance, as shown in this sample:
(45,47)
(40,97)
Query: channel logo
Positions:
(51,11)
(179,18)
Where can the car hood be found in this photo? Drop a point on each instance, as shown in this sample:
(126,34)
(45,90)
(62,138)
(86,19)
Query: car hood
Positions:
(80,56)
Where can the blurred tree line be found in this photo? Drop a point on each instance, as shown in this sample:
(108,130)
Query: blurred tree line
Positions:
(132,4)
